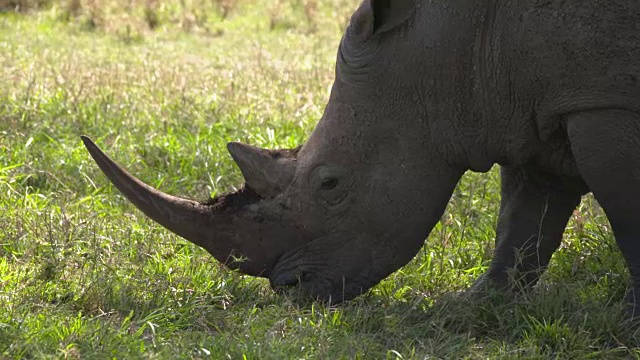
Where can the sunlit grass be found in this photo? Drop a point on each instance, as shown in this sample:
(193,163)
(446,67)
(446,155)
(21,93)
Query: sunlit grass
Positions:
(85,275)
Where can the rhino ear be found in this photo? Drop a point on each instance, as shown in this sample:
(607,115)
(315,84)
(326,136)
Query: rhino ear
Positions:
(378,16)
(267,172)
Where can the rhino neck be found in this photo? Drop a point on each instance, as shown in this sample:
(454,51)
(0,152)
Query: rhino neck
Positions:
(459,94)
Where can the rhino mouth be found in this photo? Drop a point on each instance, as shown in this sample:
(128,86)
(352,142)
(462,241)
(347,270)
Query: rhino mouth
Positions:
(306,279)
(345,272)
(305,285)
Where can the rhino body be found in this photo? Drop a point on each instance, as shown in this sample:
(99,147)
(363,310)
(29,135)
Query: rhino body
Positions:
(425,91)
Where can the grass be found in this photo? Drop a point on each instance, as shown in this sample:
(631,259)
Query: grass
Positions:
(85,275)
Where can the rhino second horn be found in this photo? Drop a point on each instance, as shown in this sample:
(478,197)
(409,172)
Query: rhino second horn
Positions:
(263,172)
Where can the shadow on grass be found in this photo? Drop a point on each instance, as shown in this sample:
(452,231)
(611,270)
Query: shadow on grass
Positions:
(551,320)
(554,319)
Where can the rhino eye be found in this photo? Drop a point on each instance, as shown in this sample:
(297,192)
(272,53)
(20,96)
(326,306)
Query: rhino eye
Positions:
(329,183)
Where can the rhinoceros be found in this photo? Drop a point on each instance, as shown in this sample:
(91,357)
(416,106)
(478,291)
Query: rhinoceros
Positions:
(423,92)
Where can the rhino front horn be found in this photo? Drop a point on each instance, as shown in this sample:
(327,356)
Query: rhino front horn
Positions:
(181,216)
(221,228)
(267,172)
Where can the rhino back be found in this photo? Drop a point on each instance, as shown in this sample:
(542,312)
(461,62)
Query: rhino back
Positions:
(536,61)
(570,56)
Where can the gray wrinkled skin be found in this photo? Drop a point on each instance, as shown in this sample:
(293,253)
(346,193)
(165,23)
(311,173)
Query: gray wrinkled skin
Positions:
(426,90)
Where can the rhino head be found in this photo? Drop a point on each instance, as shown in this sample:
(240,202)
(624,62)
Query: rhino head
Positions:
(350,206)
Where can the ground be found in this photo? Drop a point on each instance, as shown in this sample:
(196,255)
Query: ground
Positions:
(162,87)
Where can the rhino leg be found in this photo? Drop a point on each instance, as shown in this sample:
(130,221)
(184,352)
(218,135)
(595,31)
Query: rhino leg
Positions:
(534,211)
(606,146)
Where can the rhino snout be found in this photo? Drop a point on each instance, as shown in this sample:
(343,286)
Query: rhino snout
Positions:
(310,278)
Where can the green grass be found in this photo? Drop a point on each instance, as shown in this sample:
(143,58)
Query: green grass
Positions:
(83,274)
